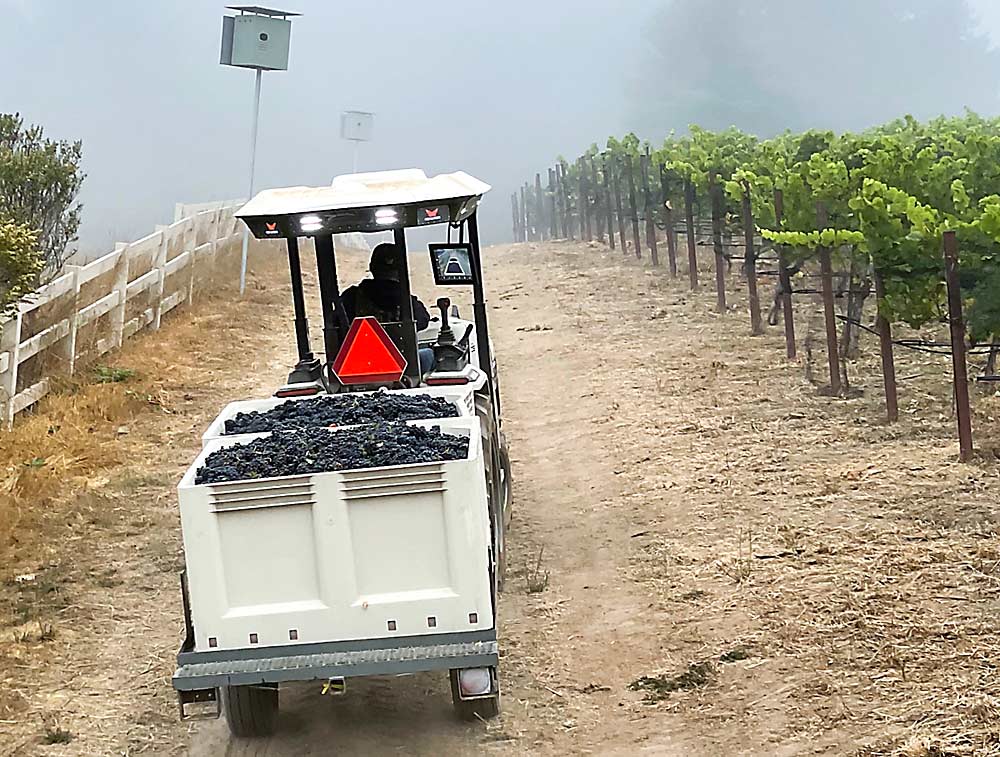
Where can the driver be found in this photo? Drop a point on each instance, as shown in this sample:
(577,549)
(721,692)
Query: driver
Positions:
(382,297)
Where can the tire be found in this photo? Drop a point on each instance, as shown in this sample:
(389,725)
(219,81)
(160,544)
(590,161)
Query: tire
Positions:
(472,710)
(251,711)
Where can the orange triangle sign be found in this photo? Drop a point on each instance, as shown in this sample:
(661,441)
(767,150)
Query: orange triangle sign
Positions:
(368,355)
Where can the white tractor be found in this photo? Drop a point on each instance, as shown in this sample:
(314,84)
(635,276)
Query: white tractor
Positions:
(378,570)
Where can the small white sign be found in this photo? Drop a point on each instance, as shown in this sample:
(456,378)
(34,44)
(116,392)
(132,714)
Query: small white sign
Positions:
(357,125)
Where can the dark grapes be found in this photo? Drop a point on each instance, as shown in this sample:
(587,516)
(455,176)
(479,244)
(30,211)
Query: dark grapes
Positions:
(318,450)
(341,410)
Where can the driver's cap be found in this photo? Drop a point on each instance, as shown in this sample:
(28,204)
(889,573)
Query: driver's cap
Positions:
(385,259)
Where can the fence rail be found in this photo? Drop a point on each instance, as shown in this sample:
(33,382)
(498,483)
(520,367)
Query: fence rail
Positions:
(109,299)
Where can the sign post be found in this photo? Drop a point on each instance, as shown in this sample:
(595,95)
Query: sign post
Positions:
(356,126)
(258,38)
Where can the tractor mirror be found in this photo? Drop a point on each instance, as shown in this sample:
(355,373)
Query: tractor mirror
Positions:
(452,264)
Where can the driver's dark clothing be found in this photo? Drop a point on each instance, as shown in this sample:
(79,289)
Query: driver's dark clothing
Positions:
(381,299)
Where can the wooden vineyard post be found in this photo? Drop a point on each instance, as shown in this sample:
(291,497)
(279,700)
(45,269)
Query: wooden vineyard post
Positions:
(784,280)
(607,204)
(561,199)
(618,203)
(631,201)
(568,199)
(715,195)
(598,200)
(885,343)
(654,252)
(553,217)
(525,224)
(963,412)
(516,226)
(539,209)
(585,231)
(829,311)
(750,264)
(689,233)
(668,216)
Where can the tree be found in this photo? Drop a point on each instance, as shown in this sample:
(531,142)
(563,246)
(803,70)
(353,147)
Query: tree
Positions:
(773,65)
(20,264)
(40,180)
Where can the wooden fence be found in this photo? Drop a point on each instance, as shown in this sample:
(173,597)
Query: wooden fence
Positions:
(90,310)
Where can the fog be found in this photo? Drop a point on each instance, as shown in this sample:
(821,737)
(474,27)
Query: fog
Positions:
(494,88)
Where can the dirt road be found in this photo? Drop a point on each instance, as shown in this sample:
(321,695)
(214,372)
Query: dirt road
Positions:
(709,558)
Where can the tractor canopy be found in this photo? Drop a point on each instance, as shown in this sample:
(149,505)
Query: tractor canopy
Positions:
(365,202)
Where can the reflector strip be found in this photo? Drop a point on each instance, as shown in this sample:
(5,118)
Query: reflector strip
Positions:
(368,355)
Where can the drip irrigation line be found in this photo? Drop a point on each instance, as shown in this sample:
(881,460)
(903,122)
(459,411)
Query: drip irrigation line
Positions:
(919,345)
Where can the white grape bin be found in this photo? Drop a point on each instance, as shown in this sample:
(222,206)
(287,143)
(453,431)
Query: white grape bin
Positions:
(360,572)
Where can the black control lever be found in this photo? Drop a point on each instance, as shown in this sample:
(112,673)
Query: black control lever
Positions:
(445,335)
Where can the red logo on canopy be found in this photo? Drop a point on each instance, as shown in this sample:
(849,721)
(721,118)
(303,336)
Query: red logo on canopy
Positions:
(432,213)
(368,355)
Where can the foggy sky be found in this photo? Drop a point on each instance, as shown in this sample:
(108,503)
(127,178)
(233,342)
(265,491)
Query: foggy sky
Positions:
(494,87)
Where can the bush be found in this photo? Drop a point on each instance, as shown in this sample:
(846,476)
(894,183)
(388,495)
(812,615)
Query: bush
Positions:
(20,264)
(39,182)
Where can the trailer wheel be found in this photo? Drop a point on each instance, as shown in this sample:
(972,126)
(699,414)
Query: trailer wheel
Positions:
(472,710)
(251,711)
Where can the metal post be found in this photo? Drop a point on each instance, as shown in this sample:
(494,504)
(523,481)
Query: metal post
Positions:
(253,161)
(299,302)
(785,279)
(715,195)
(354,164)
(647,202)
(885,343)
(617,169)
(668,217)
(631,202)
(750,265)
(598,200)
(829,312)
(689,233)
(961,371)
(584,203)
(607,201)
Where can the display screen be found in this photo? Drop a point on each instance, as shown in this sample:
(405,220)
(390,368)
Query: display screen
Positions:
(452,264)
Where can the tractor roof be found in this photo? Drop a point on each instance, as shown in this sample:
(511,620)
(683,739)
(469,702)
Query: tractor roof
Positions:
(410,187)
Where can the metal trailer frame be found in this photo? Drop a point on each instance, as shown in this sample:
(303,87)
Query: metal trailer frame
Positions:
(201,675)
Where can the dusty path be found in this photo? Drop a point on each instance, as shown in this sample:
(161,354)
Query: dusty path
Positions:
(793,577)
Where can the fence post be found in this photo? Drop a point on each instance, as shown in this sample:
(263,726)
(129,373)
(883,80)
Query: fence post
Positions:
(121,287)
(829,312)
(689,233)
(74,320)
(158,265)
(715,195)
(750,264)
(668,217)
(631,202)
(961,375)
(606,166)
(784,279)
(10,342)
(584,203)
(885,343)
(654,251)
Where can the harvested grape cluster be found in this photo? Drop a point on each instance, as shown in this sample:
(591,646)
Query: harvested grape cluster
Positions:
(318,450)
(342,410)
